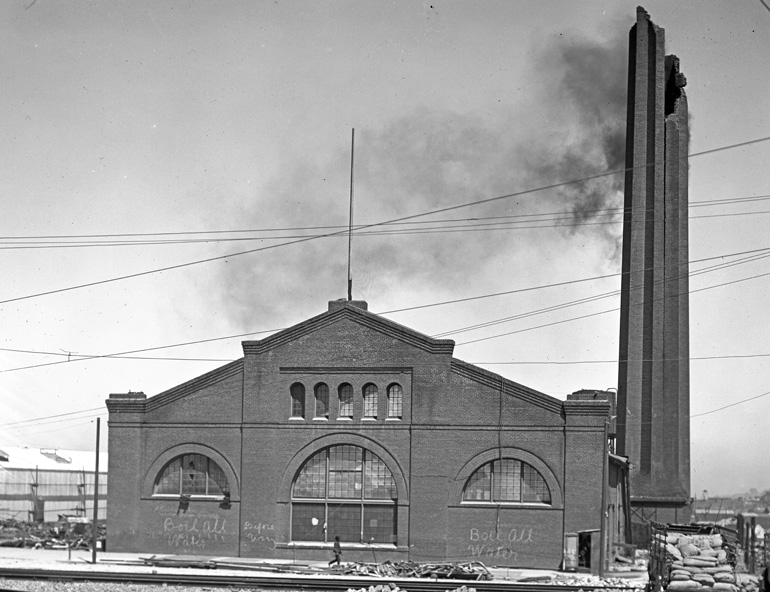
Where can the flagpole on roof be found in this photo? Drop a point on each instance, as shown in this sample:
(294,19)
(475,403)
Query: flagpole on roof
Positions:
(350,218)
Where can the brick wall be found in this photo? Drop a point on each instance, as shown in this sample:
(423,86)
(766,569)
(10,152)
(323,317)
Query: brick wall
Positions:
(456,417)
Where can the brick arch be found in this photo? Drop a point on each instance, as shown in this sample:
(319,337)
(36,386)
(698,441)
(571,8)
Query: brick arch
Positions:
(304,453)
(557,499)
(170,454)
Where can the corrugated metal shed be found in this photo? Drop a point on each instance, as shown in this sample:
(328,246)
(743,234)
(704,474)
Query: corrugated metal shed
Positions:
(43,483)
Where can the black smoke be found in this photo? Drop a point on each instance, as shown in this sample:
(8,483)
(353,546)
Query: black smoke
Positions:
(568,123)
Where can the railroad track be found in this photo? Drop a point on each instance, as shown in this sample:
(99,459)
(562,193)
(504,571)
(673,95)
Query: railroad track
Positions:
(291,582)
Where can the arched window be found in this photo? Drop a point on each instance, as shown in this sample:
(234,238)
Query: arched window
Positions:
(370,400)
(345,392)
(345,491)
(321,400)
(507,481)
(297,400)
(395,401)
(192,474)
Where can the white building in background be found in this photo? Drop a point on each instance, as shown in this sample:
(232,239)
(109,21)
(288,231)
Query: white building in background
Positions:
(41,484)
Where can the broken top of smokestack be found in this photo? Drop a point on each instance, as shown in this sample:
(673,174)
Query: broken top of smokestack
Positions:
(653,376)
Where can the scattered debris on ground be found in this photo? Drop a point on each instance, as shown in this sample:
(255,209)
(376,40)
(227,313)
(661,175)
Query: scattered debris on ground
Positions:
(409,569)
(72,532)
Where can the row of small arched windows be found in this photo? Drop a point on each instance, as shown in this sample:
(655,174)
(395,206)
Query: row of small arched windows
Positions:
(369,393)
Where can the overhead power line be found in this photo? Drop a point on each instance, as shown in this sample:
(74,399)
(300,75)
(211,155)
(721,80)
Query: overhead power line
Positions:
(562,218)
(72,358)
(400,219)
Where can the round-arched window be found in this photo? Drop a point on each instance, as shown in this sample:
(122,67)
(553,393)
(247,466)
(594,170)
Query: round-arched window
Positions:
(191,474)
(507,480)
(345,491)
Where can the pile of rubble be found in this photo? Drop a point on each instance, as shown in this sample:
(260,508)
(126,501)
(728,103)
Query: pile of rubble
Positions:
(409,569)
(48,535)
(393,588)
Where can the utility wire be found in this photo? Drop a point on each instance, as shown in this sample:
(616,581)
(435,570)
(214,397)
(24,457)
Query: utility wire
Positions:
(401,219)
(558,215)
(83,357)
(567,219)
(3,425)
(598,313)
(594,298)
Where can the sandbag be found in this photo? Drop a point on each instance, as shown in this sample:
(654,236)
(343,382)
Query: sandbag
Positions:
(700,561)
(724,576)
(718,569)
(684,585)
(680,577)
(724,587)
(716,540)
(689,550)
(674,551)
(704,579)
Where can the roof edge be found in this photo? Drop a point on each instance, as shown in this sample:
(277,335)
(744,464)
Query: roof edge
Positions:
(510,387)
(359,315)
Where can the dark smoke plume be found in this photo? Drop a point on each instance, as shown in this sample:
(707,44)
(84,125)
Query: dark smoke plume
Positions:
(570,125)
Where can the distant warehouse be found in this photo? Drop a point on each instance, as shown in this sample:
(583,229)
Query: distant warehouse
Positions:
(40,484)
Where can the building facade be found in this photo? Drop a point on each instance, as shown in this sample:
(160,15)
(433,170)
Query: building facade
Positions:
(351,425)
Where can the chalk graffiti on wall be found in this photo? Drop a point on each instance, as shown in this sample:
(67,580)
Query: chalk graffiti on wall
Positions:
(195,530)
(498,543)
(260,533)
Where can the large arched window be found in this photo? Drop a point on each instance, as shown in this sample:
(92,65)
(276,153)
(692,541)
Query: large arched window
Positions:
(507,481)
(192,474)
(344,491)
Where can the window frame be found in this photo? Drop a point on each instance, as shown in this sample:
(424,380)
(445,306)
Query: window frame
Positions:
(316,392)
(395,403)
(331,496)
(345,409)
(298,396)
(488,467)
(370,395)
(182,459)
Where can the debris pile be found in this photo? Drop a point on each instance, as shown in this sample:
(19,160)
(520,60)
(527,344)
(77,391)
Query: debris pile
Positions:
(409,569)
(394,588)
(597,582)
(379,588)
(50,535)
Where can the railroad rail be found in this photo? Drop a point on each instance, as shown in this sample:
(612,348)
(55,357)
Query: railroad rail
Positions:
(289,582)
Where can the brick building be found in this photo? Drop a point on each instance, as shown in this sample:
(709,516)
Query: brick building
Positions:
(351,425)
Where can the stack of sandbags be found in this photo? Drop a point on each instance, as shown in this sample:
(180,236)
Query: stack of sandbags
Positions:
(747,582)
(698,562)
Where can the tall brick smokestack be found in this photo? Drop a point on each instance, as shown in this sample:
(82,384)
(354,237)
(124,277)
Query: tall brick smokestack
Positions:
(653,377)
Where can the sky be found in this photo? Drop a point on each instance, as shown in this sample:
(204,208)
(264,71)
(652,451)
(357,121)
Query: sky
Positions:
(178,172)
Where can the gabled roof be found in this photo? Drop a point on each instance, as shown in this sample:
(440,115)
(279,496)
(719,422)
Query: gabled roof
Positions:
(191,386)
(356,312)
(509,387)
